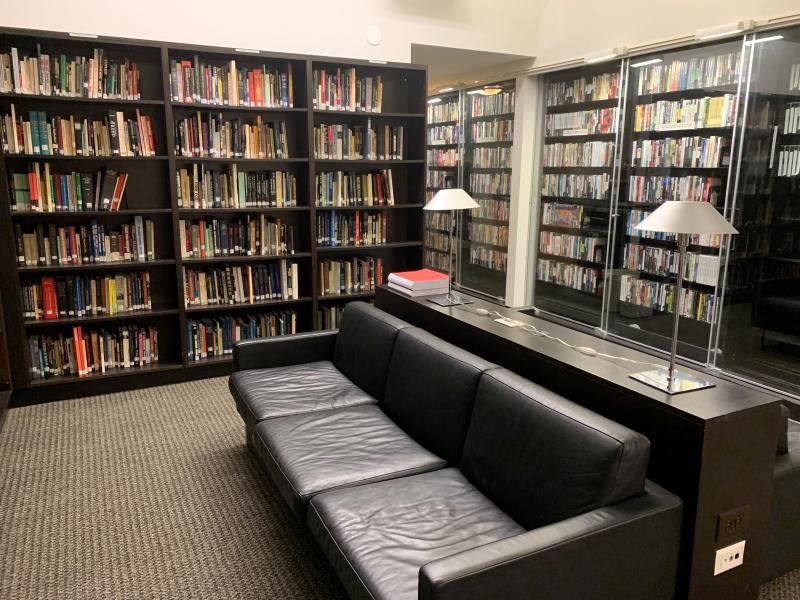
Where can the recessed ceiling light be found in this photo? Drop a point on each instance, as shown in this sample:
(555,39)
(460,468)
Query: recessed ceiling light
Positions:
(711,33)
(475,92)
(491,90)
(447,89)
(434,100)
(770,38)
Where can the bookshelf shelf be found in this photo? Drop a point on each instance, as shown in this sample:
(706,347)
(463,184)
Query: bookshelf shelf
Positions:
(334,297)
(568,259)
(211,308)
(242,259)
(151,192)
(91,319)
(102,266)
(77,99)
(579,106)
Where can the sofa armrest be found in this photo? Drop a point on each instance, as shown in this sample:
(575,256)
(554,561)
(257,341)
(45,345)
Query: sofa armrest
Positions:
(284,350)
(623,551)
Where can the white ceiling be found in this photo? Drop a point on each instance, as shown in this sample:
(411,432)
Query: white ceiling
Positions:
(460,67)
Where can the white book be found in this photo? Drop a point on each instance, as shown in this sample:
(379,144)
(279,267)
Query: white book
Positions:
(418,293)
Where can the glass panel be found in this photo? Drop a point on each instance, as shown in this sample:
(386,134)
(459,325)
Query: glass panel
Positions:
(443,149)
(760,326)
(580,132)
(489,133)
(681,108)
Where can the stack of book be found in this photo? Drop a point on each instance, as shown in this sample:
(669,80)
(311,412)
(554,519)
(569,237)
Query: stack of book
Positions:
(422,282)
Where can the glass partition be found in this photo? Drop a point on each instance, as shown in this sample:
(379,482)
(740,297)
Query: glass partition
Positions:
(716,122)
(759,333)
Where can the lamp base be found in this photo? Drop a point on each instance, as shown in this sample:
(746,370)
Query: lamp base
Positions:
(451,299)
(681,382)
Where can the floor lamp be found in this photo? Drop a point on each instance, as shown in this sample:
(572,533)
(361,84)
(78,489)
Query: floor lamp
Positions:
(451,199)
(683,219)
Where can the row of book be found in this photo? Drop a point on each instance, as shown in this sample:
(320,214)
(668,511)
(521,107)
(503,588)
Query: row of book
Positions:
(440,135)
(52,298)
(92,351)
(491,158)
(442,112)
(215,338)
(495,209)
(579,247)
(41,190)
(584,122)
(348,188)
(435,259)
(495,130)
(488,258)
(82,244)
(791,119)
(576,277)
(788,161)
(604,86)
(98,76)
(329,316)
(490,183)
(194,81)
(437,240)
(688,113)
(355,275)
(355,142)
(439,179)
(344,89)
(244,236)
(198,187)
(581,154)
(437,220)
(651,189)
(486,106)
(563,185)
(569,216)
(245,284)
(208,135)
(711,240)
(660,296)
(441,157)
(115,135)
(690,74)
(694,152)
(700,268)
(353,228)
(794,78)
(483,233)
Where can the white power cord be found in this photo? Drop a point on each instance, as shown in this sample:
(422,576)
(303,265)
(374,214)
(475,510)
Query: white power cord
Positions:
(585,350)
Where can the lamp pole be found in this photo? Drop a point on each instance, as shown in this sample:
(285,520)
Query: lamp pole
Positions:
(683,242)
(450,257)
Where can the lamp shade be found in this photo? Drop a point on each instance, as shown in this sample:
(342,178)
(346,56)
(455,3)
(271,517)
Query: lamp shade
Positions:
(683,216)
(451,199)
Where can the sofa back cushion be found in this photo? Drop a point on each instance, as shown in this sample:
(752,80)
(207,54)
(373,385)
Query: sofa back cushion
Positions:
(364,346)
(430,391)
(542,458)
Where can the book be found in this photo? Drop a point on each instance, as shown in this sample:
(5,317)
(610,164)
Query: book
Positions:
(210,135)
(246,236)
(209,338)
(345,89)
(351,228)
(355,275)
(421,279)
(419,293)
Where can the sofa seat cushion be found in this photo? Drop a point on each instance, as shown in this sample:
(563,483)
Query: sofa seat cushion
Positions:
(267,393)
(378,536)
(308,454)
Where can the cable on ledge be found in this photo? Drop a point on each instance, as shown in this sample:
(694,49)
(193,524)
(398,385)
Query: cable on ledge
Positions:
(585,350)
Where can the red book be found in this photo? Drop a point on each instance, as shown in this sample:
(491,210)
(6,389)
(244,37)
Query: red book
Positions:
(49,298)
(119,189)
(421,279)
(80,357)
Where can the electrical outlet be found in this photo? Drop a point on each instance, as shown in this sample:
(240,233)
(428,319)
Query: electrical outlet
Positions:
(733,525)
(729,557)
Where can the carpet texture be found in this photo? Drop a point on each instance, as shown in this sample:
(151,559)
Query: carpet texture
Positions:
(152,494)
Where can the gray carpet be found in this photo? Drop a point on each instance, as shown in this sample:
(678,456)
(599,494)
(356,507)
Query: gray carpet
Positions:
(151,494)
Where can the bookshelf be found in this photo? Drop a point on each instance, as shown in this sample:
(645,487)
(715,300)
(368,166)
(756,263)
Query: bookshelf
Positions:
(581,129)
(443,148)
(229,192)
(489,137)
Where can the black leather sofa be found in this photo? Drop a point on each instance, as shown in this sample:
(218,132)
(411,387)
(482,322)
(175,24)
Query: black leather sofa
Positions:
(426,472)
(783,540)
(777,306)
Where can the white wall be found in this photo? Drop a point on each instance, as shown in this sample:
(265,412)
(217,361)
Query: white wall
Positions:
(570,29)
(326,27)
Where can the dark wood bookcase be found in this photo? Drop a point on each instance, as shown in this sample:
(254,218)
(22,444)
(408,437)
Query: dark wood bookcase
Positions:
(152,192)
